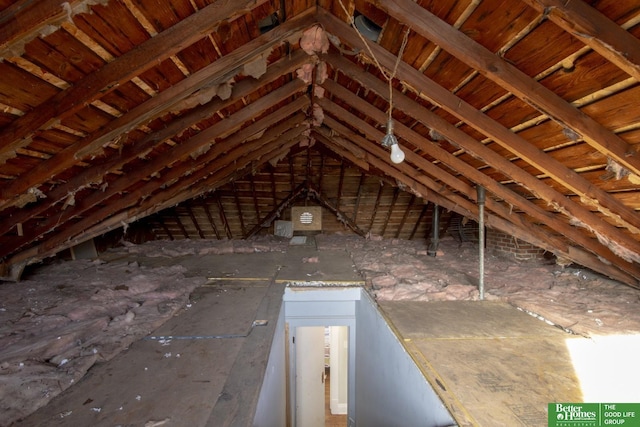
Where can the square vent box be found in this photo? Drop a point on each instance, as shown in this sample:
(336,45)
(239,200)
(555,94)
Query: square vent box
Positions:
(306,218)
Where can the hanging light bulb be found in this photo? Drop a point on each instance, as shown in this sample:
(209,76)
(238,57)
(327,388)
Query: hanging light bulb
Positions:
(390,141)
(397,155)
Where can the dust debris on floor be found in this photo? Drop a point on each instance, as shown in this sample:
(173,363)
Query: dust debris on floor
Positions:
(67,316)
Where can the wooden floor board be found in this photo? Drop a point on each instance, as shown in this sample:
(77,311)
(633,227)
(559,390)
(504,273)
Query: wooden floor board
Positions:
(490,363)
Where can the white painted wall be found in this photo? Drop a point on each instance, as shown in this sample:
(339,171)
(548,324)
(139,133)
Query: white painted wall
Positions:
(390,389)
(271,408)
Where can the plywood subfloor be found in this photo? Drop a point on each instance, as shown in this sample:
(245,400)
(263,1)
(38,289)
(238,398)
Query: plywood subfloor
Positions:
(490,363)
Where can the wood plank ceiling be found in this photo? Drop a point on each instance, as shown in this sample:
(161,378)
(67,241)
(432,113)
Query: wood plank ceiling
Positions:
(211,117)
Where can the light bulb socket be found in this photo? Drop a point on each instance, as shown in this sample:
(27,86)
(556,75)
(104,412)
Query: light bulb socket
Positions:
(389,139)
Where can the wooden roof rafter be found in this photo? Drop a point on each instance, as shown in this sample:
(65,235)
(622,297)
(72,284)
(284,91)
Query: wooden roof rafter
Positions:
(514,80)
(590,194)
(146,200)
(117,72)
(193,145)
(541,215)
(466,207)
(217,72)
(465,117)
(95,174)
(594,30)
(472,146)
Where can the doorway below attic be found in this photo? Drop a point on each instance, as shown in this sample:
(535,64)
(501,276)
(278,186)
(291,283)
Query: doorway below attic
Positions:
(382,379)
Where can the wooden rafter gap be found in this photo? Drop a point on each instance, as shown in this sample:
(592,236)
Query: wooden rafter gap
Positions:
(146,111)
(273,185)
(340,184)
(142,205)
(307,172)
(115,73)
(514,80)
(207,212)
(164,227)
(514,225)
(123,183)
(595,30)
(406,215)
(194,221)
(292,176)
(341,216)
(540,214)
(320,175)
(238,207)
(277,211)
(590,194)
(464,16)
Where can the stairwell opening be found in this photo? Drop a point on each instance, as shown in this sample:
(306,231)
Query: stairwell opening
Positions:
(384,385)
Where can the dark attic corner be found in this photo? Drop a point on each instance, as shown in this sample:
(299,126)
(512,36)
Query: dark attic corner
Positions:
(187,188)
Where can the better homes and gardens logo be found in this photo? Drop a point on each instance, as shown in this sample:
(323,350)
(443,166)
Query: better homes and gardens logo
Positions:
(594,414)
(575,414)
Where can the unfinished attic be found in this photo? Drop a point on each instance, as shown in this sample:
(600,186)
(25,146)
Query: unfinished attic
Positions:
(423,163)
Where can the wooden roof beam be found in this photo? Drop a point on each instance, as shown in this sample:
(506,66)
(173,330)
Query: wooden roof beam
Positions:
(138,204)
(25,20)
(317,194)
(176,172)
(129,65)
(512,79)
(477,149)
(220,70)
(595,30)
(424,187)
(424,166)
(277,211)
(536,212)
(417,184)
(590,194)
(95,174)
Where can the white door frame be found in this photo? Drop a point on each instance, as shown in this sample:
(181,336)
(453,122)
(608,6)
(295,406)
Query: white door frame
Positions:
(322,307)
